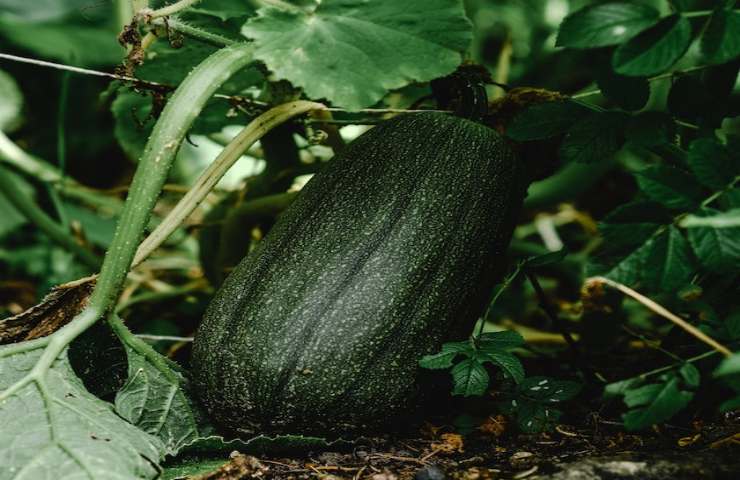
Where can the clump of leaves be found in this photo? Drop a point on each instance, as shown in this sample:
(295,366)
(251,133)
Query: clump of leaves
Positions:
(533,403)
(533,397)
(469,373)
(655,402)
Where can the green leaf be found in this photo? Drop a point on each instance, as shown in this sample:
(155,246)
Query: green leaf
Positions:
(264,444)
(444,358)
(500,341)
(10,218)
(618,389)
(605,24)
(545,120)
(718,249)
(508,363)
(97,227)
(133,123)
(712,164)
(40,10)
(155,402)
(545,259)
(546,389)
(729,366)
(654,50)
(352,52)
(56,424)
(623,236)
(12,103)
(669,264)
(732,324)
(657,402)
(223,9)
(691,100)
(650,129)
(730,405)
(534,417)
(192,466)
(690,375)
(663,262)
(671,187)
(171,65)
(715,219)
(78,45)
(470,378)
(630,225)
(720,42)
(629,93)
(594,138)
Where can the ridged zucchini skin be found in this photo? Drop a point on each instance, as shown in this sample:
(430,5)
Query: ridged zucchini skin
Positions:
(389,251)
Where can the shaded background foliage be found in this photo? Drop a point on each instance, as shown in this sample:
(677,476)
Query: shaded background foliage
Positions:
(647,195)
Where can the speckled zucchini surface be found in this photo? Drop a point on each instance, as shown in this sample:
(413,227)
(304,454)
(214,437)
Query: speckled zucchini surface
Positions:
(388,252)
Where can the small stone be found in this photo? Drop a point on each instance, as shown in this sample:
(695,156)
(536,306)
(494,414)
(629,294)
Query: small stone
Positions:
(522,460)
(430,472)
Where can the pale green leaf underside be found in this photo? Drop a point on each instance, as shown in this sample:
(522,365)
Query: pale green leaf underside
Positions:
(12,102)
(156,404)
(56,429)
(353,52)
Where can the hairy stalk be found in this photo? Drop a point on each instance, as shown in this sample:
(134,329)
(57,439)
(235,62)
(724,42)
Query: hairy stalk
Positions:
(173,23)
(169,9)
(179,113)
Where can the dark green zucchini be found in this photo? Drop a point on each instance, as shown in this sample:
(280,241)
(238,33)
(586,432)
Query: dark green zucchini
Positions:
(389,251)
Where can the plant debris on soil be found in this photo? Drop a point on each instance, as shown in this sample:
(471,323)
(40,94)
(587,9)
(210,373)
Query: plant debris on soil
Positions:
(597,450)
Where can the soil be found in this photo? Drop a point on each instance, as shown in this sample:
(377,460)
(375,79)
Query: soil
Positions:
(596,451)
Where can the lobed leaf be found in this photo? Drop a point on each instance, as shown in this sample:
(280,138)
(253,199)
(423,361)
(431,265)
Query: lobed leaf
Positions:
(54,428)
(352,52)
(158,404)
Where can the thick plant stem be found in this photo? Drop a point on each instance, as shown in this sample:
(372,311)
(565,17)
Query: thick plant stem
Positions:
(171,9)
(169,132)
(216,170)
(46,224)
(159,153)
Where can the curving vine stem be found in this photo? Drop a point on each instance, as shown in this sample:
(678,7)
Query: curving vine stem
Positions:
(169,132)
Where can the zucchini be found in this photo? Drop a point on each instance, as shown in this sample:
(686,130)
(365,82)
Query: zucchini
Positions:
(389,251)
